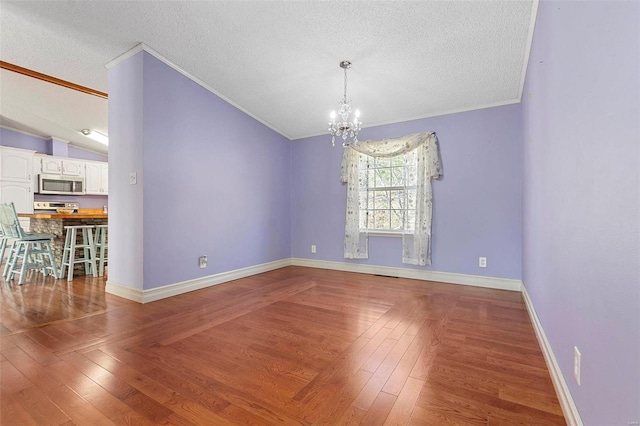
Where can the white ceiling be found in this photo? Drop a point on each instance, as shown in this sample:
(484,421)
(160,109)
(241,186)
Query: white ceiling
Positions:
(48,110)
(276,60)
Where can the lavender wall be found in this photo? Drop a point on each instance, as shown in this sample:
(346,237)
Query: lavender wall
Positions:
(15,139)
(217,182)
(477,203)
(59,148)
(126,156)
(581,203)
(86,155)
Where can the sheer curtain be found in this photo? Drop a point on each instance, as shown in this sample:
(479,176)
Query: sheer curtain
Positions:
(416,245)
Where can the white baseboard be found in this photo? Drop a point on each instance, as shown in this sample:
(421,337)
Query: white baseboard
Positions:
(146,296)
(571,414)
(417,274)
(123,291)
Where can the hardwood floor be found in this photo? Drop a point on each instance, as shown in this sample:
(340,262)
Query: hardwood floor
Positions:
(291,346)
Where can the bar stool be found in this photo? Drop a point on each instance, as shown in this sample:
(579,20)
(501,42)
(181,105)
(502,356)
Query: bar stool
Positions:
(69,253)
(5,242)
(3,245)
(100,248)
(29,254)
(28,250)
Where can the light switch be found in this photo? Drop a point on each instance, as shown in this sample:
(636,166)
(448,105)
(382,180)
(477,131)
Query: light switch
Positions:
(133,178)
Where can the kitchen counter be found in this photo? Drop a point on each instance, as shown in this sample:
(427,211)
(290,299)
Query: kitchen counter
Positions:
(64,215)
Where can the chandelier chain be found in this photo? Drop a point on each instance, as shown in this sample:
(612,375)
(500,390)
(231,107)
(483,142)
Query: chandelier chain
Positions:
(345,84)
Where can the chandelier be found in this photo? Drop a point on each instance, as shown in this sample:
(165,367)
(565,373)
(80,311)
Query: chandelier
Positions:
(344,127)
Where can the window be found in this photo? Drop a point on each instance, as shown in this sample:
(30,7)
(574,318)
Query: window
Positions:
(388,200)
(389,191)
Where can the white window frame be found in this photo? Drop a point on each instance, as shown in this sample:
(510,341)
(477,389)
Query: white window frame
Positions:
(370,207)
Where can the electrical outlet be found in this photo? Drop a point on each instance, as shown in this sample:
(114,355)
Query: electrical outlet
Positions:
(313,248)
(482,262)
(203,261)
(576,364)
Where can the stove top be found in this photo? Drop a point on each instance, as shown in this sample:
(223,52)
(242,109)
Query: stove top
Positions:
(48,206)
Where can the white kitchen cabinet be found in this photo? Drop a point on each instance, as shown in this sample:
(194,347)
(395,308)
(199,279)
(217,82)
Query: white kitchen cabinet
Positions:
(18,193)
(105,178)
(16,180)
(72,168)
(97,178)
(16,165)
(61,166)
(21,195)
(50,165)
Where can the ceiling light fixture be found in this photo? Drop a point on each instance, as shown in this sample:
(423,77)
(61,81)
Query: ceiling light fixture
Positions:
(98,137)
(345,127)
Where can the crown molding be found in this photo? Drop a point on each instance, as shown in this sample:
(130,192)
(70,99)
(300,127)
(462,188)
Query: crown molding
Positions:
(422,117)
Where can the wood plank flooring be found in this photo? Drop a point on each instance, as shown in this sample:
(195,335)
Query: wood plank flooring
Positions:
(294,346)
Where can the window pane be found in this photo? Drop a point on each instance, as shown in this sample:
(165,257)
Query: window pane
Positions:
(383,178)
(396,219)
(381,219)
(381,200)
(370,220)
(397,176)
(383,162)
(371,173)
(397,200)
(397,161)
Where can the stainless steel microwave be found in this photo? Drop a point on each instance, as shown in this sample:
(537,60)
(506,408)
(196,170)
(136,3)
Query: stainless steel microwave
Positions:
(57,184)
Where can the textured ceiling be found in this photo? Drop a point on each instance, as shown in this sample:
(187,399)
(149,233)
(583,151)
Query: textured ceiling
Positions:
(278,61)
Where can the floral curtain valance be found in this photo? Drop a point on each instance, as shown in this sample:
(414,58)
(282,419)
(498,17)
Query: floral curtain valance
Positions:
(416,246)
